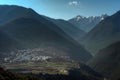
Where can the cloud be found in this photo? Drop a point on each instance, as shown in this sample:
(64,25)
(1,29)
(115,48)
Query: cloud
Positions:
(73,3)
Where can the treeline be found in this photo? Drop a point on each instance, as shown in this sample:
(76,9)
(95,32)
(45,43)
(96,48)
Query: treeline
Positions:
(6,75)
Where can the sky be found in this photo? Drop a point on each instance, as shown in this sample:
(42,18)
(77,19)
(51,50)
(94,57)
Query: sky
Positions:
(66,9)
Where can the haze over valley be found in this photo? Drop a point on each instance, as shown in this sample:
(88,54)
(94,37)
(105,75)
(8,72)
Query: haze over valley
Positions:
(38,45)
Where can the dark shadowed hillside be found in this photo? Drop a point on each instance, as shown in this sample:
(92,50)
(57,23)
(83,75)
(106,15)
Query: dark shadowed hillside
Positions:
(107,61)
(9,13)
(104,34)
(68,28)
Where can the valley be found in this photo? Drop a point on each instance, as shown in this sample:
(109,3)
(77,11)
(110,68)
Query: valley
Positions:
(36,61)
(34,46)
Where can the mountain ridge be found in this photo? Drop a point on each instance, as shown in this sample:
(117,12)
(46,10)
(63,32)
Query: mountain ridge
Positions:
(68,28)
(87,23)
(104,34)
(32,30)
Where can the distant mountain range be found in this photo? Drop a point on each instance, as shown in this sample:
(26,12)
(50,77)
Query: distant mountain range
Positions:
(107,61)
(22,28)
(87,23)
(104,34)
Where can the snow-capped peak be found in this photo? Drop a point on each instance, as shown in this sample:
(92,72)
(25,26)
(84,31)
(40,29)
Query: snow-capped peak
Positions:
(79,17)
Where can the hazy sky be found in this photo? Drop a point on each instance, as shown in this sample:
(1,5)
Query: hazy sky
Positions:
(67,9)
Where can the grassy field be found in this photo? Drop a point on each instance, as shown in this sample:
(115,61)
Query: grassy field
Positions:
(42,67)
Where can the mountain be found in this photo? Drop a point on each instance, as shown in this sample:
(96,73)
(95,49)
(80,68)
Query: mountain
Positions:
(107,61)
(12,13)
(25,29)
(9,13)
(87,23)
(104,34)
(68,28)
